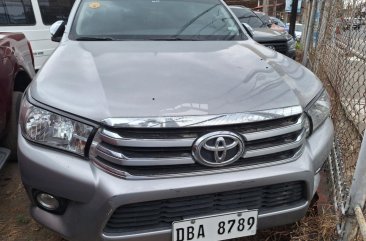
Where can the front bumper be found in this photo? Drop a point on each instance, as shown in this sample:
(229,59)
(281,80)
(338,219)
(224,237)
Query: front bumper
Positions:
(4,155)
(291,54)
(94,194)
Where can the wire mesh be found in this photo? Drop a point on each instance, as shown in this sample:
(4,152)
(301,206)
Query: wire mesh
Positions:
(337,55)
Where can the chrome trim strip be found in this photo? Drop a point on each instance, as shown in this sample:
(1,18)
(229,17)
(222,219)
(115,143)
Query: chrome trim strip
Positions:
(275,149)
(106,152)
(304,205)
(117,140)
(276,132)
(120,159)
(201,121)
(122,174)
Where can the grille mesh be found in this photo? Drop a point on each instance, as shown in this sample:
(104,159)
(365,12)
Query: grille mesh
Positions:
(279,47)
(155,215)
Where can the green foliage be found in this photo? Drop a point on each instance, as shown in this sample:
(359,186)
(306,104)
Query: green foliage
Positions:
(298,46)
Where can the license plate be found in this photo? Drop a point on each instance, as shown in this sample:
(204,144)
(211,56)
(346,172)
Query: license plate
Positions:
(216,227)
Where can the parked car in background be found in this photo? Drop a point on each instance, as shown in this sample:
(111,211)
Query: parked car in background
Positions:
(163,120)
(33,18)
(268,21)
(265,18)
(16,72)
(282,42)
(279,23)
(298,30)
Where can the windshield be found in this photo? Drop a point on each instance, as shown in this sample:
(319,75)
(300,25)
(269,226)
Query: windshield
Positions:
(265,19)
(248,16)
(154,20)
(278,22)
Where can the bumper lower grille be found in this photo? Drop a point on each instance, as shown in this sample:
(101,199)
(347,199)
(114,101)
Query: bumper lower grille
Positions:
(157,215)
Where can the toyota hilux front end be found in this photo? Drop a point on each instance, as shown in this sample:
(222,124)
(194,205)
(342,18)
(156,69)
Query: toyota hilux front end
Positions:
(169,130)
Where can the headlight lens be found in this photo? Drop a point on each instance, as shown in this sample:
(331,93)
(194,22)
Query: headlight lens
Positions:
(319,110)
(307,126)
(50,129)
(291,44)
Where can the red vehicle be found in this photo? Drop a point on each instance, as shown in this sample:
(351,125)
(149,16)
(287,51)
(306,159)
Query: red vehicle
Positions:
(16,72)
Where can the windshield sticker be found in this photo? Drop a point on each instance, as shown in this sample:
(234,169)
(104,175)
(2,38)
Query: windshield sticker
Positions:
(94,5)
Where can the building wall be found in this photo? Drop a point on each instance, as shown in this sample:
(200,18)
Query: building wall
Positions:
(257,5)
(246,3)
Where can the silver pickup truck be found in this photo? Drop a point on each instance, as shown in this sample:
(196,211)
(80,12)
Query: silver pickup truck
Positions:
(163,120)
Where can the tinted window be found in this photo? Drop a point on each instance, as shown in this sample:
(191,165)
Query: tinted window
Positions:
(54,10)
(16,12)
(248,16)
(265,19)
(278,22)
(155,20)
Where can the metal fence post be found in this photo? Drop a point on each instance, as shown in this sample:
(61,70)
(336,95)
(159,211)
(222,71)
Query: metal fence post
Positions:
(309,33)
(357,196)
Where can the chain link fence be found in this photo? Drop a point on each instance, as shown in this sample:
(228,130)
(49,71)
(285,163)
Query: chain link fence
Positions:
(337,53)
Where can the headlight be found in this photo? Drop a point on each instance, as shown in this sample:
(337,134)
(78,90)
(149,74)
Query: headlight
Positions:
(50,129)
(307,126)
(288,36)
(291,44)
(319,110)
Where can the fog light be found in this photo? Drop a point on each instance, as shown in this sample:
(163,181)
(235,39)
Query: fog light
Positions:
(47,201)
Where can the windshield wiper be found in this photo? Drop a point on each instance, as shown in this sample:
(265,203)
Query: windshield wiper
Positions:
(94,39)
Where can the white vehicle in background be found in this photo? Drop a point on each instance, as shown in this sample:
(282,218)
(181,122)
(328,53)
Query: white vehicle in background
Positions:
(34,18)
(298,30)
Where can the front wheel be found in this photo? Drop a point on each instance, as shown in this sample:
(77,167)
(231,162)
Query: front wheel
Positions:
(11,139)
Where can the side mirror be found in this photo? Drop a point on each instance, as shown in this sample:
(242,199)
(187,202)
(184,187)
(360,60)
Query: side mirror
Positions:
(57,30)
(249,29)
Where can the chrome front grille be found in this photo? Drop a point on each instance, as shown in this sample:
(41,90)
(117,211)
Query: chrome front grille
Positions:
(279,47)
(158,151)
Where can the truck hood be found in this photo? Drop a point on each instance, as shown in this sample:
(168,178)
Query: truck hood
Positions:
(99,80)
(268,35)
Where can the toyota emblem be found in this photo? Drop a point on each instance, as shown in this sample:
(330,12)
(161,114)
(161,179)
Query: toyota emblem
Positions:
(218,148)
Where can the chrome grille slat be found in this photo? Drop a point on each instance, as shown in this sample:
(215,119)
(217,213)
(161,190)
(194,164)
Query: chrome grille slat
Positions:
(118,140)
(199,121)
(119,158)
(266,151)
(115,139)
(276,132)
(137,147)
(151,173)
